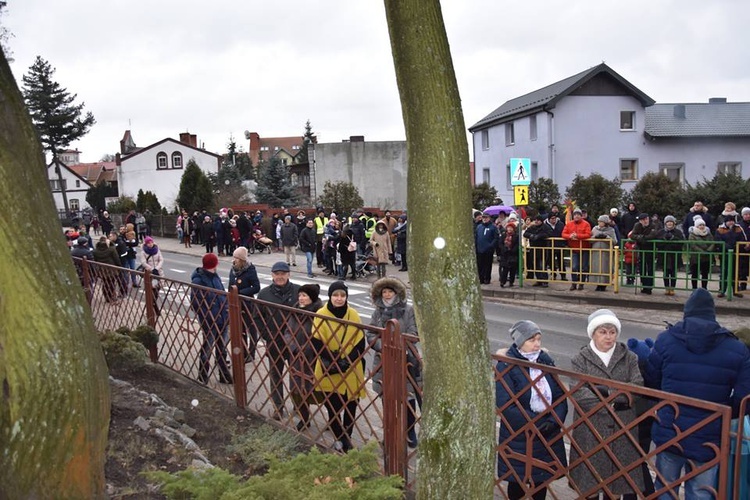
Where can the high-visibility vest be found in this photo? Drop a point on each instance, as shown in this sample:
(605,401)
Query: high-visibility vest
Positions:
(320,225)
(370,227)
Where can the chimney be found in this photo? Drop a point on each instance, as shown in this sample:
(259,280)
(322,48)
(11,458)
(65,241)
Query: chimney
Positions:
(357,138)
(193,140)
(679,111)
(717,100)
(185,137)
(254,141)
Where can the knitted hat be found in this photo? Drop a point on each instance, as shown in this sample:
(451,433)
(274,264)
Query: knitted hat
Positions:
(641,348)
(700,304)
(523,331)
(577,211)
(614,211)
(746,211)
(698,221)
(240,253)
(338,285)
(312,290)
(603,218)
(210,261)
(670,218)
(148,239)
(602,317)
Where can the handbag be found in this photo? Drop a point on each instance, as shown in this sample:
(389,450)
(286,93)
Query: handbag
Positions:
(352,247)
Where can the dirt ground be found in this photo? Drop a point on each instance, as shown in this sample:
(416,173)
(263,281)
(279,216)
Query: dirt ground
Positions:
(132,450)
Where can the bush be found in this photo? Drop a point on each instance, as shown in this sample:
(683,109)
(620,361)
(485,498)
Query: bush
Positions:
(121,351)
(312,475)
(261,445)
(123,205)
(146,335)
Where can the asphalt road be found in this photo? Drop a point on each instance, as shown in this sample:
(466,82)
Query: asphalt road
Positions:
(563,327)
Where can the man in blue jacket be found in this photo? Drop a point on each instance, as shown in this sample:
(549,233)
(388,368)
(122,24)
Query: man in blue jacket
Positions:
(700,359)
(485,238)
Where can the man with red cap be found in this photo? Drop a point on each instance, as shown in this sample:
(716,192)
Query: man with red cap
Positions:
(211,310)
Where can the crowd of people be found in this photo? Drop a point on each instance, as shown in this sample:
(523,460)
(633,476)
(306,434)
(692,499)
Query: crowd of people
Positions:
(548,241)
(696,357)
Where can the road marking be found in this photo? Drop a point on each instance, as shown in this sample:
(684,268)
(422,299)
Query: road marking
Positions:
(180,271)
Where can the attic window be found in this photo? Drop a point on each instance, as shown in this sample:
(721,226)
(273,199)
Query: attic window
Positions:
(627,120)
(161,160)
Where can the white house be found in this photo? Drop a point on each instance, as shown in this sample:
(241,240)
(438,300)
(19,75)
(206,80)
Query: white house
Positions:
(75,186)
(158,168)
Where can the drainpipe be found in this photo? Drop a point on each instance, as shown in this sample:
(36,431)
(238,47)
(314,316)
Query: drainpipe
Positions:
(551,145)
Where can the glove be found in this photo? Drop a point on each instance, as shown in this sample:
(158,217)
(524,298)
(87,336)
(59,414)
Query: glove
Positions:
(603,390)
(618,406)
(547,428)
(600,236)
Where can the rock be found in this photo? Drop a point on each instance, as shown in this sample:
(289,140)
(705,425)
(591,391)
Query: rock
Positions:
(179,415)
(142,423)
(187,430)
(200,464)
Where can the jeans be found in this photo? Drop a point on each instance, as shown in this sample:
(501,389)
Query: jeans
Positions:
(215,338)
(580,264)
(129,263)
(670,467)
(309,256)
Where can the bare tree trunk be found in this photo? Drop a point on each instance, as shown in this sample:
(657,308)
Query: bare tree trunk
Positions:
(456,458)
(54,396)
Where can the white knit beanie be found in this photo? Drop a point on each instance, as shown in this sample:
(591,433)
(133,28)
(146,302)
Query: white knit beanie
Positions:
(602,317)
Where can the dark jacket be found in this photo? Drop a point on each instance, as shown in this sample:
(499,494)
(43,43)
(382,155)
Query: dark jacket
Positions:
(674,240)
(273,320)
(509,254)
(486,237)
(700,359)
(538,235)
(513,419)
(243,225)
(208,234)
(246,280)
(400,232)
(211,308)
(302,355)
(627,222)
(358,230)
(689,222)
(289,234)
(106,254)
(644,236)
(307,239)
(730,237)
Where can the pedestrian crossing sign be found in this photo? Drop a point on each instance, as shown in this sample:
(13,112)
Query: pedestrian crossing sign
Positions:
(520,195)
(520,170)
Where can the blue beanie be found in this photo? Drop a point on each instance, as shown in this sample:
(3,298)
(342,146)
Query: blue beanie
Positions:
(700,305)
(641,348)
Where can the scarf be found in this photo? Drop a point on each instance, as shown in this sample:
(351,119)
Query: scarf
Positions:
(541,386)
(150,251)
(700,232)
(241,267)
(339,312)
(604,356)
(509,240)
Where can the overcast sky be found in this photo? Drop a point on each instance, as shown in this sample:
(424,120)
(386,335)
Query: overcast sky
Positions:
(161,67)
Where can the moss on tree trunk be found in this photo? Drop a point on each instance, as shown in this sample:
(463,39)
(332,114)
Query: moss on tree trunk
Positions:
(54,395)
(456,458)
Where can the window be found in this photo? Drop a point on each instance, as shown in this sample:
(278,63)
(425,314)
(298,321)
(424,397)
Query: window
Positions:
(305,180)
(264,148)
(486,175)
(276,148)
(78,183)
(508,176)
(294,179)
(532,127)
(485,139)
(176,159)
(161,160)
(730,167)
(510,135)
(295,147)
(55,184)
(674,171)
(627,120)
(284,161)
(534,171)
(75,205)
(628,170)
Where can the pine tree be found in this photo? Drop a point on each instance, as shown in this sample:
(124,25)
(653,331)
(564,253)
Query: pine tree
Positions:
(57,119)
(196,191)
(236,157)
(308,138)
(274,186)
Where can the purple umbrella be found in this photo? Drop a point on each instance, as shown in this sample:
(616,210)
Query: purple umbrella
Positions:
(496,209)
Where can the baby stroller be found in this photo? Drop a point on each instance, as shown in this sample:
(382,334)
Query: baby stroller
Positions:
(260,242)
(366,264)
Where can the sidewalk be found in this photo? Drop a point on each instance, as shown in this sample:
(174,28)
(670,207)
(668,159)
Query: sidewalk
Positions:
(556,292)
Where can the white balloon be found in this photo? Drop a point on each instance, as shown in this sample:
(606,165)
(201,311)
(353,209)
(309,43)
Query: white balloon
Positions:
(439,243)
(194,402)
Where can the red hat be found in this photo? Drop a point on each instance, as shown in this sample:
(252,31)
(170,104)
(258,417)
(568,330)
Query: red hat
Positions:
(210,261)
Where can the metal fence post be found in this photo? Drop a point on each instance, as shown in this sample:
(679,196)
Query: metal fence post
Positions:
(393,366)
(729,273)
(238,351)
(86,272)
(148,288)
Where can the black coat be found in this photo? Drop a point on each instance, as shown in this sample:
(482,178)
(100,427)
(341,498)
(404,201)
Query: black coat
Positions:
(307,238)
(513,419)
(538,236)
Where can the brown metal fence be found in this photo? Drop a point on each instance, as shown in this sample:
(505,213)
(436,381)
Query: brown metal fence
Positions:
(270,360)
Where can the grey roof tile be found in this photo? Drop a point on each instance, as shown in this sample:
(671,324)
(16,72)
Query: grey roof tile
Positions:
(701,120)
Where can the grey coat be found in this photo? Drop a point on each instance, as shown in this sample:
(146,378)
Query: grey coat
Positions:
(603,240)
(623,367)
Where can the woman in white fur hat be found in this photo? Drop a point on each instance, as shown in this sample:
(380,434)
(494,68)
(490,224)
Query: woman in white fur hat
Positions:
(607,358)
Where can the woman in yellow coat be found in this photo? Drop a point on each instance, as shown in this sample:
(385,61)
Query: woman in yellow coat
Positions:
(340,368)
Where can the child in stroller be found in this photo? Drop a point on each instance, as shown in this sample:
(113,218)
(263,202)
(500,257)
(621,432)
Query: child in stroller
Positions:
(260,242)
(366,264)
